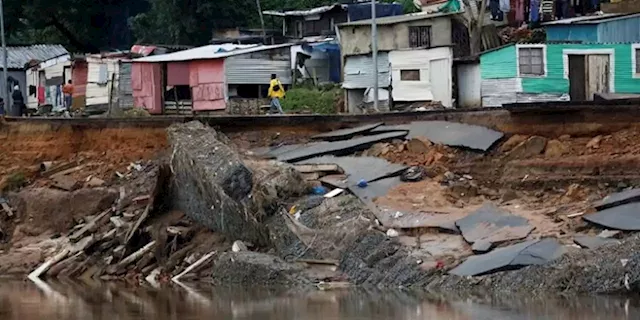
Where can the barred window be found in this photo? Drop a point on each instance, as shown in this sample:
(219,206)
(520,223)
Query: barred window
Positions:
(420,37)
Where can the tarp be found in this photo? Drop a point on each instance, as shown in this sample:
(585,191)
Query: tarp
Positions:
(362,11)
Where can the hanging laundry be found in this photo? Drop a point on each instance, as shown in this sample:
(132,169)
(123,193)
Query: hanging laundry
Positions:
(496,14)
(505,6)
(42,97)
(535,11)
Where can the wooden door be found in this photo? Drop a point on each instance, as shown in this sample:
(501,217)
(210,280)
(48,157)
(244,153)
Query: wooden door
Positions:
(597,74)
(577,78)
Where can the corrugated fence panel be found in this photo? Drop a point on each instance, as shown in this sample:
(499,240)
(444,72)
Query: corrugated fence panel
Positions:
(125,90)
(256,71)
(358,71)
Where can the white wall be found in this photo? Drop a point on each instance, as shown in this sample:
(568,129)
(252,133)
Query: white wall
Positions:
(97,85)
(469,83)
(435,83)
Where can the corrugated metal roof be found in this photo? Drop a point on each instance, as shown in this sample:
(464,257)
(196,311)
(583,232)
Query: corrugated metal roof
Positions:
(302,13)
(18,57)
(358,71)
(606,17)
(213,51)
(399,19)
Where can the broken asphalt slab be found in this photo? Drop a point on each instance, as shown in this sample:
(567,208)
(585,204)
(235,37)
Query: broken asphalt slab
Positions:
(455,134)
(592,242)
(494,225)
(410,220)
(375,189)
(275,151)
(534,252)
(624,217)
(619,198)
(361,168)
(338,148)
(344,134)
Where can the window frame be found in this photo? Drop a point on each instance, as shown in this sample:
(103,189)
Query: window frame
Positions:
(417,29)
(542,47)
(635,64)
(412,71)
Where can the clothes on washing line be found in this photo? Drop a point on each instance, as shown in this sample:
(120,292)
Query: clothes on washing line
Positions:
(496,13)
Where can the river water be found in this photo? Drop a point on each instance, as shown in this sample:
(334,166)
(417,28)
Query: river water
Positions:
(23,300)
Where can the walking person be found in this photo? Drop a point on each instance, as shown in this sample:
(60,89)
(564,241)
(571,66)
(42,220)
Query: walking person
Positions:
(18,102)
(68,95)
(276,92)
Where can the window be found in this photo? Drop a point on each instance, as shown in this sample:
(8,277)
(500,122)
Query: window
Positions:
(531,61)
(637,56)
(410,75)
(419,37)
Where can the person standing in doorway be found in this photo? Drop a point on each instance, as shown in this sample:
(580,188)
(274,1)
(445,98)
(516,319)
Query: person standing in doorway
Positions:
(276,92)
(67,90)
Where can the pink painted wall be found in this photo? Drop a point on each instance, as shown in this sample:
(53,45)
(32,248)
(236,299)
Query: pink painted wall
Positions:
(146,80)
(206,78)
(177,73)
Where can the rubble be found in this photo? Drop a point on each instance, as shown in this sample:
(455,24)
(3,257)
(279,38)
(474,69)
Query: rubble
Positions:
(531,147)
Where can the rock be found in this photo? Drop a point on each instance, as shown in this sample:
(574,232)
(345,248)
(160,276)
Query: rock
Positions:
(482,247)
(564,137)
(57,210)
(253,268)
(449,175)
(594,143)
(508,196)
(512,142)
(392,233)
(555,149)
(238,246)
(609,233)
(529,148)
(66,183)
(419,145)
(95,182)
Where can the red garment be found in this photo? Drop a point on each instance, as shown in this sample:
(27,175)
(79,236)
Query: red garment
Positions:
(41,95)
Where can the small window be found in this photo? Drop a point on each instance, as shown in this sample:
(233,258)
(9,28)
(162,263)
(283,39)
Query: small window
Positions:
(420,37)
(637,53)
(410,75)
(531,61)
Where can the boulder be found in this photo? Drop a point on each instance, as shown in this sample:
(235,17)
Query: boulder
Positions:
(252,268)
(512,142)
(555,149)
(529,148)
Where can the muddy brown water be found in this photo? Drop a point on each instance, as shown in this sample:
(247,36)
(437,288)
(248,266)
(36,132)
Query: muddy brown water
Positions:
(27,301)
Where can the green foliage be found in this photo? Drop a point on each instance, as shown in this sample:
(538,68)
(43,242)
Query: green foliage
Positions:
(302,100)
(15,181)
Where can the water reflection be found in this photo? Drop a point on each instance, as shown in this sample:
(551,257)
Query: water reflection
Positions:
(94,301)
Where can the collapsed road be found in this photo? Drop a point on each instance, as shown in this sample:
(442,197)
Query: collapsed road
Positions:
(304,211)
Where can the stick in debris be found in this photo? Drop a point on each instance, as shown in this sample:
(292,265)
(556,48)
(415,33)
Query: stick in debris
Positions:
(135,227)
(193,266)
(333,193)
(131,258)
(42,269)
(57,169)
(78,234)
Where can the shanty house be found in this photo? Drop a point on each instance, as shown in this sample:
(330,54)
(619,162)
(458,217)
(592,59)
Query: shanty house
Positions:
(20,58)
(414,60)
(44,82)
(109,80)
(209,78)
(605,28)
(321,21)
(558,72)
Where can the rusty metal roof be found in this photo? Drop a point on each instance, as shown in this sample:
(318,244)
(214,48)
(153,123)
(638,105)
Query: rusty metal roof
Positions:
(19,56)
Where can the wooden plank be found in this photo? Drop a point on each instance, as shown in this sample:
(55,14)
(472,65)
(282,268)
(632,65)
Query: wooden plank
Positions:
(202,260)
(311,168)
(311,176)
(59,168)
(42,269)
(78,234)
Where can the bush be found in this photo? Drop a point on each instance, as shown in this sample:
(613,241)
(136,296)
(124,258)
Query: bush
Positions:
(311,100)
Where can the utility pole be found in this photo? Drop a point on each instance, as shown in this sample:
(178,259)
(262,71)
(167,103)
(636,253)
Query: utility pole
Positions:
(264,33)
(374,53)
(5,90)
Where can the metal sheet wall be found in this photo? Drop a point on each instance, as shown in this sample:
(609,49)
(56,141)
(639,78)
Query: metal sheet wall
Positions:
(241,70)
(125,90)
(358,71)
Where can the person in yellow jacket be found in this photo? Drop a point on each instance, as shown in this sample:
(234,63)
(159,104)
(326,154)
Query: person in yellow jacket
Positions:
(276,92)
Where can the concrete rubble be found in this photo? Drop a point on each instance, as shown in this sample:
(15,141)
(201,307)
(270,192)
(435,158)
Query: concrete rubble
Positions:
(207,210)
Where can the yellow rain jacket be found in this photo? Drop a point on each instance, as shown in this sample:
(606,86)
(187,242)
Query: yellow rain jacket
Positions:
(275,93)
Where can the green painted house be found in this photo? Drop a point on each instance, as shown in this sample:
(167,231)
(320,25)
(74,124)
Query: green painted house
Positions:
(558,72)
